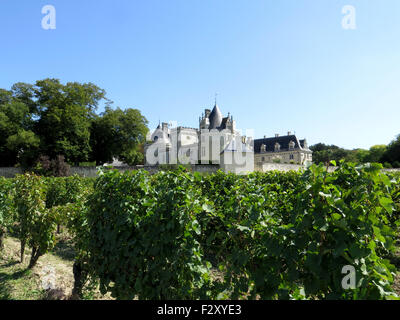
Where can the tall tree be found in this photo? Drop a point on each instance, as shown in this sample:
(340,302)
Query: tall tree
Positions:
(392,154)
(18,142)
(119,134)
(323,153)
(66,113)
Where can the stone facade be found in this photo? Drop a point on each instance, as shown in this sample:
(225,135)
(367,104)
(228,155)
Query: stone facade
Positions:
(282,149)
(216,141)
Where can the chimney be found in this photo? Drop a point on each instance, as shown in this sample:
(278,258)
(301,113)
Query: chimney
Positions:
(276,135)
(289,133)
(265,137)
(164,126)
(207,112)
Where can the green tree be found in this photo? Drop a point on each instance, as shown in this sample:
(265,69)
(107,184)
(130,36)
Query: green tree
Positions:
(362,155)
(18,141)
(66,113)
(376,153)
(392,154)
(323,153)
(118,134)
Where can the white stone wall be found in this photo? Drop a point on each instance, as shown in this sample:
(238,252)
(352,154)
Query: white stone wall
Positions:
(242,163)
(299,157)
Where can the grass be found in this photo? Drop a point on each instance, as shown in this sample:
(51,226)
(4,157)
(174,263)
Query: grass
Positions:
(19,283)
(16,282)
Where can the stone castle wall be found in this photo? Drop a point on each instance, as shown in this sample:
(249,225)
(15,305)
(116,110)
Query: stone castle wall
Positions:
(10,172)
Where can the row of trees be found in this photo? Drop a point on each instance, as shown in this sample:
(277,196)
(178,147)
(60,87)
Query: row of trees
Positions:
(50,118)
(388,155)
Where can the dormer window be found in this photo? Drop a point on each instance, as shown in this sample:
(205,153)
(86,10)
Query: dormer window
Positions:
(263,148)
(291,145)
(277,147)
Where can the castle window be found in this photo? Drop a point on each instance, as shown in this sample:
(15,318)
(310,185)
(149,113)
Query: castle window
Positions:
(155,138)
(263,148)
(291,157)
(263,159)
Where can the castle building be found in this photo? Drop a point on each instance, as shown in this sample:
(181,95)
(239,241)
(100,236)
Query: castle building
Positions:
(282,149)
(216,141)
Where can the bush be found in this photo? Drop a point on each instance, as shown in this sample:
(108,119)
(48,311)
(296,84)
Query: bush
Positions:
(292,242)
(387,165)
(36,224)
(396,164)
(56,167)
(272,235)
(6,208)
(142,236)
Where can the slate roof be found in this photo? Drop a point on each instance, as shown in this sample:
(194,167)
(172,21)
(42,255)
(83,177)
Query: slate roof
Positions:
(223,123)
(215,118)
(270,143)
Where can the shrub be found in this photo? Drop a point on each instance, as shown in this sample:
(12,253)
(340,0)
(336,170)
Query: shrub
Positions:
(56,167)
(142,236)
(36,222)
(6,210)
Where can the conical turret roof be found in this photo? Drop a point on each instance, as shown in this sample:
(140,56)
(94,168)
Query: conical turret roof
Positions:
(215,118)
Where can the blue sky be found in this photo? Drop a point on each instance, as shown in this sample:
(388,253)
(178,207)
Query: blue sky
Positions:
(277,65)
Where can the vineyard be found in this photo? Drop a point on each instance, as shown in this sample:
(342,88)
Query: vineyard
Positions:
(182,235)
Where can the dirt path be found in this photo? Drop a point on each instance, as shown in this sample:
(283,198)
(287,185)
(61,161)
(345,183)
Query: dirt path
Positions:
(51,278)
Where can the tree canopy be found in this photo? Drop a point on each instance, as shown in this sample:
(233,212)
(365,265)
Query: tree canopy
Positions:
(123,131)
(50,118)
(387,155)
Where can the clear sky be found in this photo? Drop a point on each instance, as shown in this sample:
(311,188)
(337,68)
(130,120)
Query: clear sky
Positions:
(277,65)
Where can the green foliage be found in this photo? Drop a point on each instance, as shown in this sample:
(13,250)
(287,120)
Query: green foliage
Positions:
(291,242)
(270,235)
(142,235)
(119,134)
(64,190)
(18,142)
(6,207)
(392,154)
(344,218)
(389,155)
(65,113)
(54,119)
(325,153)
(36,223)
